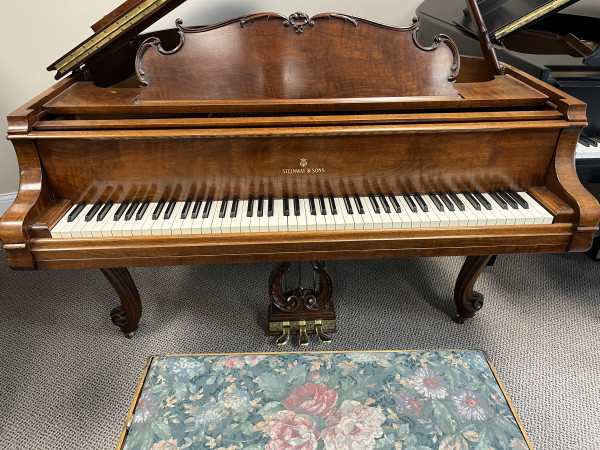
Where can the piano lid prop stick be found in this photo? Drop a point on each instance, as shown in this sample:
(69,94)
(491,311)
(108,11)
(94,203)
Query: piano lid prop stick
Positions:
(487,48)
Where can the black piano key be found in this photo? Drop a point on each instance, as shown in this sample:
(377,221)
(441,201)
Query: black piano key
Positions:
(332,206)
(223,210)
(104,211)
(395,203)
(520,200)
(411,204)
(498,199)
(261,210)
(286,206)
(170,208)
(270,207)
(374,204)
(250,209)
(234,207)
(473,201)
(313,207)
(585,140)
(207,206)
(348,205)
(92,212)
(142,211)
(186,208)
(296,205)
(196,209)
(359,206)
(120,210)
(421,202)
(436,201)
(384,203)
(508,199)
(76,212)
(159,207)
(322,205)
(444,198)
(457,201)
(131,211)
(479,196)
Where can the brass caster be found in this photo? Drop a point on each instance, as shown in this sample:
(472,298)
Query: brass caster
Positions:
(459,319)
(319,332)
(302,336)
(129,335)
(285,335)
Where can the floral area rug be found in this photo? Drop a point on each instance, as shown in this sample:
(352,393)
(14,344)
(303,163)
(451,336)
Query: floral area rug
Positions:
(450,399)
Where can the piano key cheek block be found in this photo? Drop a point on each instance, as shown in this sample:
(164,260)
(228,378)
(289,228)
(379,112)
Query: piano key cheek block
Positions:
(290,138)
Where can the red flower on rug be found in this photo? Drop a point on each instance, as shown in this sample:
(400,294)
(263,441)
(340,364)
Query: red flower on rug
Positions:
(291,431)
(312,399)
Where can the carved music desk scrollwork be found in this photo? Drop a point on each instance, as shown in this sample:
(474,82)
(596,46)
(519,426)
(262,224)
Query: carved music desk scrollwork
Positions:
(290,138)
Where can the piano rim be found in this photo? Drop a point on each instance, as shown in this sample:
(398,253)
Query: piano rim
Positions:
(130,251)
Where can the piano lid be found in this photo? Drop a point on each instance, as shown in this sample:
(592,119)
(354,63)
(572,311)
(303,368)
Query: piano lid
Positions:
(112,31)
(504,17)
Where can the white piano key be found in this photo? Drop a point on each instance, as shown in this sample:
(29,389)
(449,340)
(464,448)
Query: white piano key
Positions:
(544,216)
(63,222)
(263,222)
(470,212)
(302,219)
(338,218)
(80,222)
(273,220)
(143,226)
(245,220)
(282,220)
(100,225)
(311,221)
(236,222)
(441,220)
(368,219)
(211,223)
(226,219)
(168,225)
(324,221)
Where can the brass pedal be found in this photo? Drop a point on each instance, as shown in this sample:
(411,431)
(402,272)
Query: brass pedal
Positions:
(302,336)
(320,334)
(285,335)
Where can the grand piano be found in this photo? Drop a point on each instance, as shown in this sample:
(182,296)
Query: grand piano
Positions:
(287,138)
(538,37)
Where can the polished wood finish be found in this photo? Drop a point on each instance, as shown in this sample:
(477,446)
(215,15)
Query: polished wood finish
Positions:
(363,127)
(128,314)
(487,48)
(301,303)
(467,300)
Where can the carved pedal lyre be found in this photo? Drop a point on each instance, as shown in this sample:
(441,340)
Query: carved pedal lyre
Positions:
(301,311)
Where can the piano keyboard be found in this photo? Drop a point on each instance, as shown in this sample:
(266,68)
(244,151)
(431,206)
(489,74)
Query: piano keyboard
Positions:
(379,211)
(587,148)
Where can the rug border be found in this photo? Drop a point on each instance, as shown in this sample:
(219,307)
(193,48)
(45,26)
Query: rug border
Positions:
(149,360)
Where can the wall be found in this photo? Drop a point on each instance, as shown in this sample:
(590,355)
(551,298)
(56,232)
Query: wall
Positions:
(35,33)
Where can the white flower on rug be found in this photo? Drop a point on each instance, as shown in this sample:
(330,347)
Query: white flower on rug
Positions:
(234,401)
(185,367)
(353,426)
(429,383)
(470,405)
(291,431)
(145,408)
(361,357)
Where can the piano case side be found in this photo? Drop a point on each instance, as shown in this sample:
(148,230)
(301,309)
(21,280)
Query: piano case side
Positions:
(34,193)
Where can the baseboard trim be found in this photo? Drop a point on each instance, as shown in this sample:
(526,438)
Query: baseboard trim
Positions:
(6,200)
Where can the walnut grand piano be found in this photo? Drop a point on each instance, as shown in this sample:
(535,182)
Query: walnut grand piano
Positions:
(289,138)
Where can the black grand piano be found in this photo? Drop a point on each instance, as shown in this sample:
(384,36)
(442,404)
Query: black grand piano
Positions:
(558,48)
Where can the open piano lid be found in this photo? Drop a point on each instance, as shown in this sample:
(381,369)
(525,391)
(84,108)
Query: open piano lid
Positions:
(504,17)
(112,31)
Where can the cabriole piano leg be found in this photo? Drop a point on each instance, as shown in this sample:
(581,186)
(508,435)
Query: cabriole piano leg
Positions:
(468,301)
(126,316)
(301,310)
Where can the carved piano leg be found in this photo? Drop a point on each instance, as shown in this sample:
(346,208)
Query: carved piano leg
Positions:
(126,316)
(468,301)
(301,310)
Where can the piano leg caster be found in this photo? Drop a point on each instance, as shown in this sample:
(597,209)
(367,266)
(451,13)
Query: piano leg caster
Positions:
(459,319)
(128,314)
(129,335)
(468,301)
(285,335)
